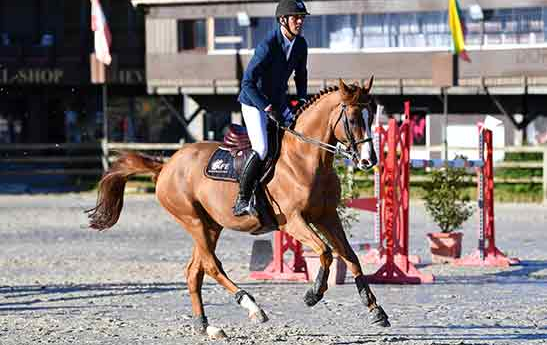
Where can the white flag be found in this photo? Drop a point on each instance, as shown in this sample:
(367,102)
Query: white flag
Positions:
(103,38)
(491,123)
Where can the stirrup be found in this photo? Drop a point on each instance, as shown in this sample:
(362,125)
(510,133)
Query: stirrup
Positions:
(244,207)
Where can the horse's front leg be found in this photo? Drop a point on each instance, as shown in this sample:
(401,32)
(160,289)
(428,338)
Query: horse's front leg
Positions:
(298,228)
(331,227)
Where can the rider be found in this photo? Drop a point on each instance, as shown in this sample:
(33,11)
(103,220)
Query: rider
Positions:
(264,89)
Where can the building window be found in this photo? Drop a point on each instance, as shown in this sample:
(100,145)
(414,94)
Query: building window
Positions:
(341,32)
(400,30)
(544,24)
(420,29)
(514,26)
(434,27)
(380,30)
(261,27)
(192,34)
(529,25)
(375,34)
(410,31)
(315,31)
(337,32)
(227,32)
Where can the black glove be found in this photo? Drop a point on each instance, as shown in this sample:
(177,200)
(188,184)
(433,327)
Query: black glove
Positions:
(300,102)
(295,104)
(275,116)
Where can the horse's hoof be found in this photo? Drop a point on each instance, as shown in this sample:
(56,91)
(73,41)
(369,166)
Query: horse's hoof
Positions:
(216,333)
(199,325)
(378,317)
(311,298)
(259,317)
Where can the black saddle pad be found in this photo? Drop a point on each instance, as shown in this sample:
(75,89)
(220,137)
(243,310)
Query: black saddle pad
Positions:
(221,166)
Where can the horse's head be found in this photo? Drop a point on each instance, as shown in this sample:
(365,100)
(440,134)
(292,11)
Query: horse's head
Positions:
(352,123)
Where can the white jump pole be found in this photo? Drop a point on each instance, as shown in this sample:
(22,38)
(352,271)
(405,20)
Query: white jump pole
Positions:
(377,216)
(480,201)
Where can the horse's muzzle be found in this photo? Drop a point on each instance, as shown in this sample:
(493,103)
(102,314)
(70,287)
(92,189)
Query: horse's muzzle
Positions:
(365,164)
(367,159)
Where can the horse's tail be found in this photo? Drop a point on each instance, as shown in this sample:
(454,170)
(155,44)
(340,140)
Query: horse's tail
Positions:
(111,187)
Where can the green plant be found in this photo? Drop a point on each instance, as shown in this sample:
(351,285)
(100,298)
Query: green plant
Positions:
(446,200)
(347,215)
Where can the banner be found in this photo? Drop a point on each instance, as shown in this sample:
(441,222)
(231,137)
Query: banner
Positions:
(103,37)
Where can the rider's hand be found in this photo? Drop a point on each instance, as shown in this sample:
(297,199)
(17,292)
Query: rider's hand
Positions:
(272,114)
(300,103)
(275,116)
(295,104)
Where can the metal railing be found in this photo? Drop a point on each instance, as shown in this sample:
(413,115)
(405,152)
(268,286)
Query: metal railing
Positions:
(50,159)
(72,156)
(514,149)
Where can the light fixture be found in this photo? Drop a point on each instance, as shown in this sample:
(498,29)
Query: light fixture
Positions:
(243,19)
(475,11)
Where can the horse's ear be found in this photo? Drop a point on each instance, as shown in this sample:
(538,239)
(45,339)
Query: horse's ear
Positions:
(343,87)
(368,85)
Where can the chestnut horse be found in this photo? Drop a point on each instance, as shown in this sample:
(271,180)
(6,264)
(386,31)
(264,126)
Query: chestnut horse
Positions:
(304,190)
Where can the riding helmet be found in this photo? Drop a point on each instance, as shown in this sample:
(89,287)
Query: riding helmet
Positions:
(290,7)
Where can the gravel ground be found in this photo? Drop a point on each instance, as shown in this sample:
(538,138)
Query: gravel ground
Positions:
(62,283)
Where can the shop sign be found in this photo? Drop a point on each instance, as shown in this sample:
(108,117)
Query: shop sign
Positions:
(127,76)
(31,76)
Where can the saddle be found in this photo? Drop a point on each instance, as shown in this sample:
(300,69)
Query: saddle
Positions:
(226,164)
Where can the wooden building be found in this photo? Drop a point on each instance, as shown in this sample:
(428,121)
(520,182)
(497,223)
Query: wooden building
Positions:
(200,47)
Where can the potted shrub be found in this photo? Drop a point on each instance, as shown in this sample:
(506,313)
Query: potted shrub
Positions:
(448,204)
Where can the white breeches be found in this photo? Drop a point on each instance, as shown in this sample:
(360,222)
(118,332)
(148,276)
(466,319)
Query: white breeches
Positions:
(256,128)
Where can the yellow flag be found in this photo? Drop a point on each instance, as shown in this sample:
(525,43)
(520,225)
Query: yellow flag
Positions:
(456,28)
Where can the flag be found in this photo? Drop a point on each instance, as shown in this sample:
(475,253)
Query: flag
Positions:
(457,27)
(103,38)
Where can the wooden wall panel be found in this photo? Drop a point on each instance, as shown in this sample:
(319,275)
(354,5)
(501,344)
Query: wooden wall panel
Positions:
(413,68)
(161,36)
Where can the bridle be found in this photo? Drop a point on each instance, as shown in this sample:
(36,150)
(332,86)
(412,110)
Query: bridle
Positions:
(351,141)
(347,149)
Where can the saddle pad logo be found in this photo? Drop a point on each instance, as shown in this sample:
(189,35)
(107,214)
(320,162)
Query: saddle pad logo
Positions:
(220,165)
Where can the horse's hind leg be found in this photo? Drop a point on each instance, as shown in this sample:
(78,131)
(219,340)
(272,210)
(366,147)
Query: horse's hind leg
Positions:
(331,227)
(213,268)
(298,228)
(205,261)
(194,280)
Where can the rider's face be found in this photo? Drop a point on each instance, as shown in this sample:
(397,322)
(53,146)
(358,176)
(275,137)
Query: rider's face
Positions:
(296,23)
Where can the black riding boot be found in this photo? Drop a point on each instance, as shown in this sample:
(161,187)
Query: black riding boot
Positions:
(252,168)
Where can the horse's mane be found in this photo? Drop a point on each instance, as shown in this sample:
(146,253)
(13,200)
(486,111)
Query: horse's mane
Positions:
(350,98)
(315,98)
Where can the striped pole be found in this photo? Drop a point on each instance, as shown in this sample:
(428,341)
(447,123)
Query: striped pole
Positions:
(480,201)
(377,185)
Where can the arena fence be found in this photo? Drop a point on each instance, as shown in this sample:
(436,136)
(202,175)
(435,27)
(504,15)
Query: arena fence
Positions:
(92,159)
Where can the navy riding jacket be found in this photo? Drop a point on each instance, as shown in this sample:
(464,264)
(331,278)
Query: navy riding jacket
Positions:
(265,80)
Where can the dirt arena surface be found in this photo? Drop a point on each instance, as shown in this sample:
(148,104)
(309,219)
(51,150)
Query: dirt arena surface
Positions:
(61,283)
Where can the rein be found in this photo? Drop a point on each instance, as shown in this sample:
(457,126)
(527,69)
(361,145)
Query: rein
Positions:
(339,148)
